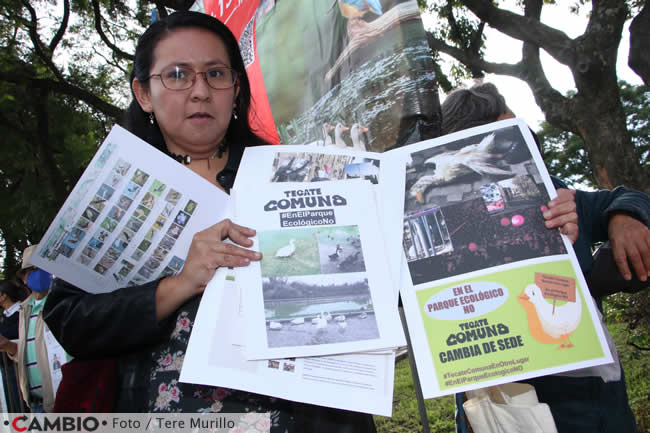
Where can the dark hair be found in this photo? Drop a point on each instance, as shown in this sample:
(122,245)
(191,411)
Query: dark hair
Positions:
(137,121)
(15,291)
(465,108)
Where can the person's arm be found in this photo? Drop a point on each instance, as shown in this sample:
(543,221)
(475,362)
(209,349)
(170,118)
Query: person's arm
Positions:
(630,240)
(93,326)
(621,216)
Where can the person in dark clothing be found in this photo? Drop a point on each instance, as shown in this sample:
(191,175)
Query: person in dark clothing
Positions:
(594,399)
(191,100)
(11,295)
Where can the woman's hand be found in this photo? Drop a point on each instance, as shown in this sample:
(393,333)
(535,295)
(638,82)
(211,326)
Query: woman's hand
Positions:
(562,213)
(208,252)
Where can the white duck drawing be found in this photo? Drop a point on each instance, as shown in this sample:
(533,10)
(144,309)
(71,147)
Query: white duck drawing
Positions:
(548,323)
(287,250)
(453,164)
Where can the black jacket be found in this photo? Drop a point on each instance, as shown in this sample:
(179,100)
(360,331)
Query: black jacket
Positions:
(121,324)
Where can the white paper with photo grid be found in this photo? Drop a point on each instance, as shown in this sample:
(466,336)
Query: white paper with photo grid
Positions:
(323,286)
(129,219)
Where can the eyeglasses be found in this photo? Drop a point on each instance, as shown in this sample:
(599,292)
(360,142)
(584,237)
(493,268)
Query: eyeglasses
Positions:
(182,78)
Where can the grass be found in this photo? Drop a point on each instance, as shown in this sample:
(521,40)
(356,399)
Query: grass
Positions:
(440,411)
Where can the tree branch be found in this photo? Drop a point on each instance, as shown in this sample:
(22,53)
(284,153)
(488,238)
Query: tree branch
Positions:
(27,80)
(639,57)
(62,28)
(32,27)
(473,60)
(526,29)
(633,344)
(552,102)
(102,35)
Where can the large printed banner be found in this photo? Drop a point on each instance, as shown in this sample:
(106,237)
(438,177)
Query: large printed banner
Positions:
(335,73)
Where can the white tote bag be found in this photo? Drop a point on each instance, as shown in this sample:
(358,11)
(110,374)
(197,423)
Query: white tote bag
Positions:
(509,408)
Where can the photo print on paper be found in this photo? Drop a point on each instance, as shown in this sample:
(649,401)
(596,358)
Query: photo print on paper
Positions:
(148,200)
(173,196)
(141,213)
(113,179)
(157,188)
(83,223)
(121,167)
(132,189)
(190,207)
(98,203)
(91,214)
(472,204)
(318,309)
(105,192)
(140,177)
(124,202)
(311,251)
(318,167)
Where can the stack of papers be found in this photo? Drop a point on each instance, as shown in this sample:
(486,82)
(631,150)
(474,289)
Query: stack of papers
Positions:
(454,225)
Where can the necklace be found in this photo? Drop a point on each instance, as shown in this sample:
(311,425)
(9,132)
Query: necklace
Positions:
(187,159)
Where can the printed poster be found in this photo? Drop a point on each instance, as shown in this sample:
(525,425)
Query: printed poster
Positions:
(490,295)
(360,382)
(129,219)
(348,74)
(313,164)
(323,286)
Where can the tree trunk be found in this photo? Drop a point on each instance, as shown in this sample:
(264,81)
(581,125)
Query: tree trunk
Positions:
(601,124)
(639,58)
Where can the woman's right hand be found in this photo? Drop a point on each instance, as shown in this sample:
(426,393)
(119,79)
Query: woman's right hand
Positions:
(208,252)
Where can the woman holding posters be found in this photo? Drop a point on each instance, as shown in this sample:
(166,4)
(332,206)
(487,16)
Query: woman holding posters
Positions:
(191,100)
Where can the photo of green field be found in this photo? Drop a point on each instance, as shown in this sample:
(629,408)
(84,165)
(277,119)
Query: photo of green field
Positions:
(289,252)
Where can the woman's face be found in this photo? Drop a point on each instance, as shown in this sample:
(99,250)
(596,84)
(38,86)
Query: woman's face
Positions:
(192,121)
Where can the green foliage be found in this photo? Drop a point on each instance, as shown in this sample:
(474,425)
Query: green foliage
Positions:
(635,364)
(49,120)
(632,311)
(566,155)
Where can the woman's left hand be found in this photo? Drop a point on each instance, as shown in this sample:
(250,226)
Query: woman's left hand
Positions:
(562,213)
(207,253)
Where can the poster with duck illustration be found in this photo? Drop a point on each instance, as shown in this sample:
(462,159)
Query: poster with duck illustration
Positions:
(129,219)
(491,296)
(323,285)
(347,74)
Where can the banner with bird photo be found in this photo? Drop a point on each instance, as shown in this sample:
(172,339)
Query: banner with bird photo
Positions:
(323,285)
(490,294)
(346,73)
